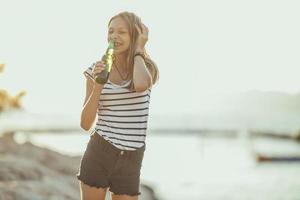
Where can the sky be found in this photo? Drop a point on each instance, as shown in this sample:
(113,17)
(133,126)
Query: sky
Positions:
(203,49)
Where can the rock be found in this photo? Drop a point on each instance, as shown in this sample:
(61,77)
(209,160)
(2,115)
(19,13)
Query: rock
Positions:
(147,193)
(29,172)
(12,170)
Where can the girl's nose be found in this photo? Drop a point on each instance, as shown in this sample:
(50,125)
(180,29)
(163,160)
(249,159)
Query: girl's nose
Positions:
(113,36)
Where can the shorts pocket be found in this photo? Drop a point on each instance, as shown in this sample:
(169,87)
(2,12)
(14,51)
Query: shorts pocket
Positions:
(133,165)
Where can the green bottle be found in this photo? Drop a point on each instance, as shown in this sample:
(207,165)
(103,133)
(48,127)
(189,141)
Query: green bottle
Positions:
(102,77)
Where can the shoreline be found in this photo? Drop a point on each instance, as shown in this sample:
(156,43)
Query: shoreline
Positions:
(33,172)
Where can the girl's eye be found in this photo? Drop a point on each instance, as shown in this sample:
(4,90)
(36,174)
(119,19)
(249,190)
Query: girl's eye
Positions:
(120,32)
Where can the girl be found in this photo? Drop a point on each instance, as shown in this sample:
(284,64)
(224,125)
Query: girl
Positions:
(115,151)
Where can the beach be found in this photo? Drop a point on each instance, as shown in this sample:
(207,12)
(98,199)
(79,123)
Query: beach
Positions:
(30,172)
(176,167)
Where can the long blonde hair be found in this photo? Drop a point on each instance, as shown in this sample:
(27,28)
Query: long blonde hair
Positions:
(131,19)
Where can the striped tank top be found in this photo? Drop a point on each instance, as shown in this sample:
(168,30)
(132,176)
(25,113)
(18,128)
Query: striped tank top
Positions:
(122,114)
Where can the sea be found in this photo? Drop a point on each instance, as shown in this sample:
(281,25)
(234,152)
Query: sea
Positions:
(181,164)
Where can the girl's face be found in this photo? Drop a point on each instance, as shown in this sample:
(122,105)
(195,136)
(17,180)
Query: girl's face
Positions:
(118,31)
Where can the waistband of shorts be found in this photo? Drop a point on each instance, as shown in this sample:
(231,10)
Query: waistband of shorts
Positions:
(107,146)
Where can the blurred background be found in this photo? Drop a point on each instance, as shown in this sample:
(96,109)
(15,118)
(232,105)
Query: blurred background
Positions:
(224,117)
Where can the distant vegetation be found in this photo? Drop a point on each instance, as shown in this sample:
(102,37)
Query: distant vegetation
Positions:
(6,100)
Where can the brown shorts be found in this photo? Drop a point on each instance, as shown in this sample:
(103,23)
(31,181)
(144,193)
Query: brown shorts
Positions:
(104,165)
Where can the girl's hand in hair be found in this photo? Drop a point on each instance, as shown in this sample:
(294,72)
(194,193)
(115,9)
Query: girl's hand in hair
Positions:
(142,37)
